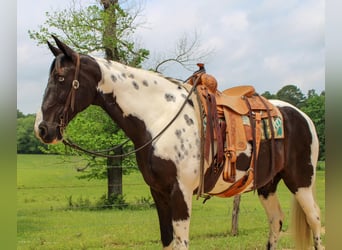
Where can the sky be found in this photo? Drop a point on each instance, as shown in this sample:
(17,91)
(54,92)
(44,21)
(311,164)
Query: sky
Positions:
(267,44)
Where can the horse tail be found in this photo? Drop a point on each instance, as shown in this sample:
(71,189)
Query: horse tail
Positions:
(300,228)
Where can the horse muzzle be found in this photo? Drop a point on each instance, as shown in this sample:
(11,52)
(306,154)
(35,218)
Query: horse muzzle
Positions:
(47,132)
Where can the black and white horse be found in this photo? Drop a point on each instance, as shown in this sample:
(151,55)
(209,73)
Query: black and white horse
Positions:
(142,103)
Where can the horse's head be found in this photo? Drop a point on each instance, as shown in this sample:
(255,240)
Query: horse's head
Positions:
(72,87)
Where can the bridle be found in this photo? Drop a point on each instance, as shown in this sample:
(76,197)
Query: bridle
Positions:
(70,103)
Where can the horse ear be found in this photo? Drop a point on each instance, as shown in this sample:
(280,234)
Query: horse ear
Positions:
(55,51)
(64,48)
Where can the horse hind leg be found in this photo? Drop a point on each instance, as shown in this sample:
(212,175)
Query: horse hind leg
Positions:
(306,216)
(270,202)
(275,218)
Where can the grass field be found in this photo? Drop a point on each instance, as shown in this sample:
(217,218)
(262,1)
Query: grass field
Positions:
(45,185)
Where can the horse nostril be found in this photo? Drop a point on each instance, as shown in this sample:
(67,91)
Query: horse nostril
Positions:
(42,131)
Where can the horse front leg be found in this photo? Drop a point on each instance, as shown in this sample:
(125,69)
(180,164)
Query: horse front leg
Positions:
(162,201)
(174,209)
(181,203)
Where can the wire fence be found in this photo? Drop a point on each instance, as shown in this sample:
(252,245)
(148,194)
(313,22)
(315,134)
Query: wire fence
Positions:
(52,189)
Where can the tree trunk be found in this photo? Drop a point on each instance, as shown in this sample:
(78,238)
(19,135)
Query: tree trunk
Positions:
(114,165)
(112,52)
(114,174)
(235,215)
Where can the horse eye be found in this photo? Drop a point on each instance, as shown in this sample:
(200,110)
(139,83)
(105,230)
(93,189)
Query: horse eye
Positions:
(61,79)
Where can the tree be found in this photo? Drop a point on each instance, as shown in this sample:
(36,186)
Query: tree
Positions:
(26,140)
(268,95)
(20,114)
(314,107)
(291,94)
(104,27)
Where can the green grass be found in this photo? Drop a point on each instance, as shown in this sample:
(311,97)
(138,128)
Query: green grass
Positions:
(43,221)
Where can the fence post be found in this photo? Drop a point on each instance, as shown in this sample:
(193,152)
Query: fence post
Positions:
(114,174)
(235,215)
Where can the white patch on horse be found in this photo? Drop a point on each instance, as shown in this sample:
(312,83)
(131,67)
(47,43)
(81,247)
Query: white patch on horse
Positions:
(39,119)
(148,103)
(247,151)
(181,232)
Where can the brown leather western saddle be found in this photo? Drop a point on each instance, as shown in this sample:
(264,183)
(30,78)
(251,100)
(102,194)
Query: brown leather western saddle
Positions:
(232,119)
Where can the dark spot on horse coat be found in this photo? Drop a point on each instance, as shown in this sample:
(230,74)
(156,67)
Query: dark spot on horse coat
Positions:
(178,133)
(123,75)
(190,102)
(113,77)
(178,153)
(188,120)
(135,85)
(280,225)
(145,83)
(170,97)
(131,76)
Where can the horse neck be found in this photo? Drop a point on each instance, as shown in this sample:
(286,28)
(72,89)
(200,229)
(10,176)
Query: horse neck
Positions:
(139,101)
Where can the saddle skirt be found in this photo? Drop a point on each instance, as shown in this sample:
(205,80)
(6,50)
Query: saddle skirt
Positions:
(232,119)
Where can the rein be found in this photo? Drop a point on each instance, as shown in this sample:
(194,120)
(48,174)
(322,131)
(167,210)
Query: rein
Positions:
(71,102)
